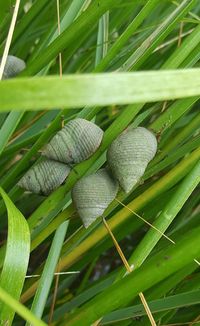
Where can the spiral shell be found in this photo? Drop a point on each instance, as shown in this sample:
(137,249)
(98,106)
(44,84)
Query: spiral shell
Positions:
(129,155)
(93,194)
(76,142)
(13,66)
(44,177)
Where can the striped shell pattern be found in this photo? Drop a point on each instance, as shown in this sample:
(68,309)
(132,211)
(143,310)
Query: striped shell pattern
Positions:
(93,194)
(76,142)
(13,67)
(129,155)
(44,177)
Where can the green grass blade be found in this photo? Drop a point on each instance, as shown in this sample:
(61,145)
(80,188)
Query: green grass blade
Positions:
(49,270)
(117,220)
(182,52)
(187,131)
(100,89)
(173,113)
(166,217)
(83,23)
(25,162)
(173,157)
(16,259)
(121,41)
(8,128)
(27,19)
(16,306)
(143,52)
(66,20)
(102,38)
(125,290)
(167,303)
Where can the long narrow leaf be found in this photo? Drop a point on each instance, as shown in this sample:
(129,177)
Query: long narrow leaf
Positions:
(48,272)
(8,128)
(16,306)
(16,259)
(171,302)
(125,290)
(166,217)
(99,89)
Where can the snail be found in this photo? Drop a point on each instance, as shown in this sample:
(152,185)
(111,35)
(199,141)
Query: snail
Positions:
(129,155)
(75,142)
(44,177)
(13,66)
(92,194)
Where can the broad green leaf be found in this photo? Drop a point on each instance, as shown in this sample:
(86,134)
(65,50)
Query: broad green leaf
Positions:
(16,259)
(99,89)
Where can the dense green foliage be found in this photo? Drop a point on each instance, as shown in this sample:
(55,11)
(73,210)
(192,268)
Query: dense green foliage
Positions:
(124,63)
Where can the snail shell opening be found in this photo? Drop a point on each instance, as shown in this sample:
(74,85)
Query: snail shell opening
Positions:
(129,155)
(44,177)
(76,142)
(13,66)
(92,194)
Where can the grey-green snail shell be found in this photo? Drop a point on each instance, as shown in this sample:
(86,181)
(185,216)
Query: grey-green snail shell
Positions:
(129,155)
(44,177)
(92,194)
(74,143)
(13,66)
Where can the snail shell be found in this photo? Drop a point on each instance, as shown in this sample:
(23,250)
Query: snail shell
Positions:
(129,155)
(93,194)
(13,66)
(76,142)
(44,177)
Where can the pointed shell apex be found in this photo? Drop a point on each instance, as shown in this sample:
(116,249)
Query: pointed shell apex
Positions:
(129,155)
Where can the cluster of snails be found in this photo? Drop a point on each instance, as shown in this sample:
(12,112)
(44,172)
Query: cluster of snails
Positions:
(127,157)
(74,143)
(13,66)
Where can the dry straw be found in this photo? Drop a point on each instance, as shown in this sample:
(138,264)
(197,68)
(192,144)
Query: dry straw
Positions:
(9,38)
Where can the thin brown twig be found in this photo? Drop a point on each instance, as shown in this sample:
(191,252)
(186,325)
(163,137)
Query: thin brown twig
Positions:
(147,309)
(143,219)
(123,258)
(54,295)
(171,41)
(129,270)
(9,38)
